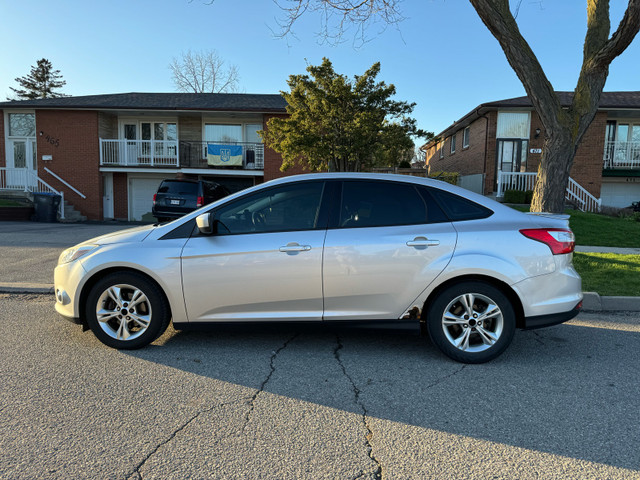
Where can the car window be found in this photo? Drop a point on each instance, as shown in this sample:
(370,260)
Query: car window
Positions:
(279,209)
(179,188)
(378,204)
(458,208)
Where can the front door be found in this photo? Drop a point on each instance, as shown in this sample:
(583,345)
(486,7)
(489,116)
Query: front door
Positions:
(107,195)
(265,262)
(22,163)
(130,152)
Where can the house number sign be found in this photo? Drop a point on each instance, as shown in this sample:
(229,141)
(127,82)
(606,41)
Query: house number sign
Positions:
(52,140)
(535,150)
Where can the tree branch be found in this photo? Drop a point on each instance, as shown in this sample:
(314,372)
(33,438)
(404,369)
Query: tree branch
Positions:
(622,38)
(497,17)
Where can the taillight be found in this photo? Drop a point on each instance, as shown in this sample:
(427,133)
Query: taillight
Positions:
(559,240)
(200,202)
(154,198)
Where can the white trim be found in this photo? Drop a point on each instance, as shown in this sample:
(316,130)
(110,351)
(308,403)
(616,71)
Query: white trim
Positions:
(188,171)
(452,143)
(466,130)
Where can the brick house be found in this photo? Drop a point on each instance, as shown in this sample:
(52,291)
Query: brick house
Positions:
(500,144)
(106,154)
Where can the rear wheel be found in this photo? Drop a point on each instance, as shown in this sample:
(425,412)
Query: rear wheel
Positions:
(471,322)
(126,310)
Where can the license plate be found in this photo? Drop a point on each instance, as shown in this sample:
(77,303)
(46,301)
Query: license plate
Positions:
(175,202)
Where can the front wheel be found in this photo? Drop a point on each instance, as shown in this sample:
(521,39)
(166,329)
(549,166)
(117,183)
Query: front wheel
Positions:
(125,310)
(471,322)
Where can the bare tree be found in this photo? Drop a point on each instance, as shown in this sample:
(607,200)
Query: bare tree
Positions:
(564,128)
(204,72)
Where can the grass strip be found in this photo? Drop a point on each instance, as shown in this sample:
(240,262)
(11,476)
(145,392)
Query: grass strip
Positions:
(609,273)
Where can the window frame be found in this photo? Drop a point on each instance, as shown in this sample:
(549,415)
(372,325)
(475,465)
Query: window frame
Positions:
(452,143)
(322,216)
(466,134)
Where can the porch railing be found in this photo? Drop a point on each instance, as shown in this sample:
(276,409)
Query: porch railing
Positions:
(25,180)
(139,153)
(621,155)
(175,154)
(193,154)
(575,193)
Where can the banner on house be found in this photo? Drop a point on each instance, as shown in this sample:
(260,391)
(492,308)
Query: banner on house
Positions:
(224,155)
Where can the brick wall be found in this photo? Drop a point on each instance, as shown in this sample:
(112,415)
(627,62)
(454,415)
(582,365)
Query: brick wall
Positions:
(466,160)
(120,196)
(273,160)
(3,156)
(76,156)
(588,163)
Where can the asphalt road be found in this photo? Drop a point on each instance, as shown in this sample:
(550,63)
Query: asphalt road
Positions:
(286,403)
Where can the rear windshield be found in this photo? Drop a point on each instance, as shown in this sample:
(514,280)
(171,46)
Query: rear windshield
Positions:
(179,188)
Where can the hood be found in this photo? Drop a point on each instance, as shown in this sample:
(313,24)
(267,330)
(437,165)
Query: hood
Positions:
(136,234)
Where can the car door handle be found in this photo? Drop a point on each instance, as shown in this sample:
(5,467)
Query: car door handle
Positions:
(295,247)
(422,242)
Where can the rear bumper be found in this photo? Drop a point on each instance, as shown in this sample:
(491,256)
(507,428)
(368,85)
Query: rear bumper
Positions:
(540,321)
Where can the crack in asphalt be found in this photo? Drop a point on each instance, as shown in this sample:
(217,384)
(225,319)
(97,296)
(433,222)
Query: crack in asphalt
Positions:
(377,475)
(446,377)
(538,337)
(136,472)
(252,401)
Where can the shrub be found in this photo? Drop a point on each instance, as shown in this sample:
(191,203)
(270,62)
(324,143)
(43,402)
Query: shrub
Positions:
(449,177)
(528,196)
(404,164)
(514,196)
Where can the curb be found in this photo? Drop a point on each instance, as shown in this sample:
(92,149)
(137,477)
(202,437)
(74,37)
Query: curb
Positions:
(37,288)
(592,302)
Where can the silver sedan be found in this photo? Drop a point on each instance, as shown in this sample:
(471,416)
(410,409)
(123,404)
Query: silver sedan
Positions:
(331,247)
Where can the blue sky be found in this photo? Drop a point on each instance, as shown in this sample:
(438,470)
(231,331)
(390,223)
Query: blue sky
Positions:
(442,57)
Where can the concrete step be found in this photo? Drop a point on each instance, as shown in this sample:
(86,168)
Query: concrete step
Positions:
(71,215)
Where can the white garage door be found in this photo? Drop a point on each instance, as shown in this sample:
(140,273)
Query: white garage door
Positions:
(141,192)
(620,195)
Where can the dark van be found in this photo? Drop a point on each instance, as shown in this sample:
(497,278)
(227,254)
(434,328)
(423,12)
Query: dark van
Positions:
(175,198)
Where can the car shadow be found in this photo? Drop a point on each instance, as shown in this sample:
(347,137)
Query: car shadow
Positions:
(552,391)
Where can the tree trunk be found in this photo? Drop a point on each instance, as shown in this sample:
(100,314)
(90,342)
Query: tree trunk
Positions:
(553,173)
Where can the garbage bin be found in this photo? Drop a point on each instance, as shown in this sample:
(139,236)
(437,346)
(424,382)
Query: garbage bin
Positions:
(46,206)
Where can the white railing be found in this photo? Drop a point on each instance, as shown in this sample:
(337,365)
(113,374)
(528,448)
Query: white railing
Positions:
(515,181)
(622,155)
(139,153)
(575,193)
(579,196)
(27,181)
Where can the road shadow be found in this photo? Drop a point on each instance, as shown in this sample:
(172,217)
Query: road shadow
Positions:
(568,390)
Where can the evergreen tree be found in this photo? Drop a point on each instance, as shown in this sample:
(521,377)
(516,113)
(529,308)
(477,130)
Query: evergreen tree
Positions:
(40,83)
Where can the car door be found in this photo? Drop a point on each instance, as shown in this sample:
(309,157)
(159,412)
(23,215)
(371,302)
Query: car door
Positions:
(385,245)
(264,263)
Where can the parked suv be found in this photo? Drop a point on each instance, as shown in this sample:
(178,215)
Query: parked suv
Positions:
(177,197)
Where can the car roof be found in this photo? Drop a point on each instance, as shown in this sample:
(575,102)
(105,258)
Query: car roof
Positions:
(392,177)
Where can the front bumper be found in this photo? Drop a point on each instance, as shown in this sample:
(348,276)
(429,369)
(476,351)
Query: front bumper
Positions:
(66,280)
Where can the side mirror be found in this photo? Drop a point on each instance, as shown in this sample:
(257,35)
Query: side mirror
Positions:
(206,223)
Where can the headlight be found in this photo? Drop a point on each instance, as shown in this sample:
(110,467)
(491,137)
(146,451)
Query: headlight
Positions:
(74,253)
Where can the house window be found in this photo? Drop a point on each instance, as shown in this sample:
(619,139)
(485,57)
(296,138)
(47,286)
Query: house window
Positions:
(220,133)
(251,133)
(441,147)
(465,137)
(453,143)
(22,124)
(513,125)
(162,132)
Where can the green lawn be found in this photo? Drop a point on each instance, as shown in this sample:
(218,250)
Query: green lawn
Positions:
(601,230)
(609,273)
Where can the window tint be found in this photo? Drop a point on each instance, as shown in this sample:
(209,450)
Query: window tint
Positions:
(378,204)
(285,208)
(179,188)
(458,208)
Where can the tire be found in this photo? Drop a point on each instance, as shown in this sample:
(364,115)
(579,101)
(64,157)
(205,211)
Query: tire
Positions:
(476,333)
(116,321)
